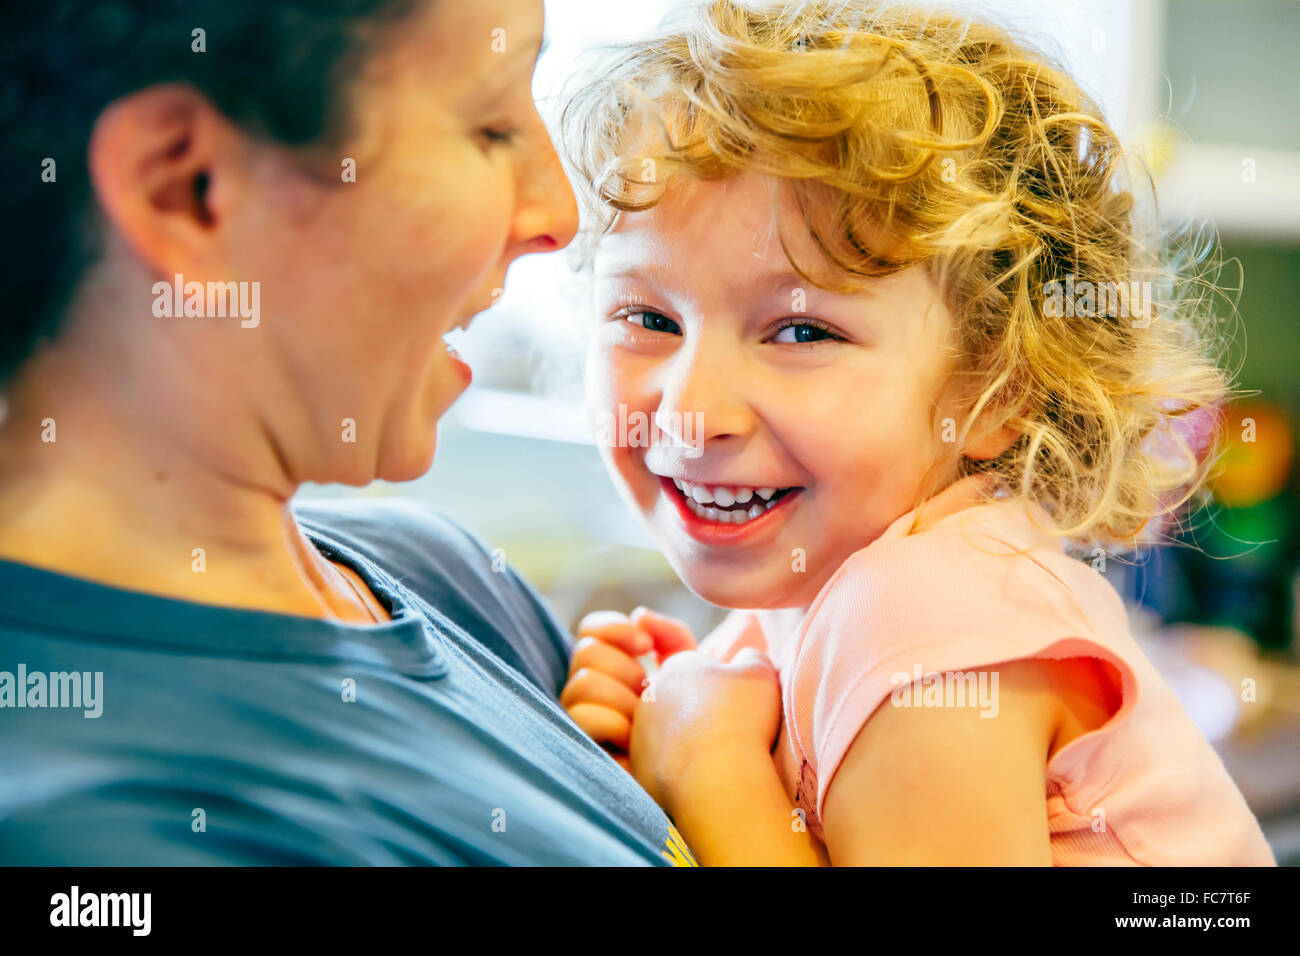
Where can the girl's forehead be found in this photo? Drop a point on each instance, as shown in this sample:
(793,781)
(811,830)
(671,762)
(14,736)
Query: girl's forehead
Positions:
(742,220)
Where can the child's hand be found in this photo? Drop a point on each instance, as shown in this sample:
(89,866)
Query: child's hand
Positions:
(702,720)
(606,677)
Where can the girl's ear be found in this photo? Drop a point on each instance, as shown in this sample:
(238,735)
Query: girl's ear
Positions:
(985,443)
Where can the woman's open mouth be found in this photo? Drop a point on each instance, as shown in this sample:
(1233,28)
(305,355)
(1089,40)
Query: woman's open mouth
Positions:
(449,341)
(726,513)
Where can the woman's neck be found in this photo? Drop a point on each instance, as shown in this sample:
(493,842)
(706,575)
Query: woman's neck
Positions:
(143,484)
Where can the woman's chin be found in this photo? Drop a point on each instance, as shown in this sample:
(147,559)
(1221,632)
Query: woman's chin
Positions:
(411,461)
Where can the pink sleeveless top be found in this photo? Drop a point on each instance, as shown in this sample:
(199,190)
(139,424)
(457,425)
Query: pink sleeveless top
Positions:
(981,584)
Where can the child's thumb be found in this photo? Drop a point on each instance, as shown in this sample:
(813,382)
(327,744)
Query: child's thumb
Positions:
(669,634)
(751,657)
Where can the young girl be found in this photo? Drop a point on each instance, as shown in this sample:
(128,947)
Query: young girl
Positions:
(877,281)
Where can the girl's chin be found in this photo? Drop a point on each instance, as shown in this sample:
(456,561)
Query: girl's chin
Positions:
(721,588)
(748,587)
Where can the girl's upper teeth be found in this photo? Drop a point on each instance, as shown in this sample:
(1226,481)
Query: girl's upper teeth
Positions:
(724,495)
(701,498)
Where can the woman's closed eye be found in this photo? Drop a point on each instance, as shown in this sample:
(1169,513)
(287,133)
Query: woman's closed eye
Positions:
(501,135)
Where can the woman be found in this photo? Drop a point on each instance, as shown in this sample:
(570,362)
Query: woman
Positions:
(240,235)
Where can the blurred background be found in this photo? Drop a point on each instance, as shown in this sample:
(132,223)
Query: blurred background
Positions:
(1205,91)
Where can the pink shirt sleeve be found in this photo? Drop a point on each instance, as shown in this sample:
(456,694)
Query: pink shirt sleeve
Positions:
(949,600)
(985,587)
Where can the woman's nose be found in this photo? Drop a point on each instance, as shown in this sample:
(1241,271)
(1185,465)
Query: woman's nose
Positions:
(546,214)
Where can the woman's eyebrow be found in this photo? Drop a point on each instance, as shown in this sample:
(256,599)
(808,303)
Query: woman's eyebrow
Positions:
(499,83)
(514,53)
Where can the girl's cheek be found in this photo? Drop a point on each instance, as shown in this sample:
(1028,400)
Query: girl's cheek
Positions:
(606,390)
(616,378)
(599,378)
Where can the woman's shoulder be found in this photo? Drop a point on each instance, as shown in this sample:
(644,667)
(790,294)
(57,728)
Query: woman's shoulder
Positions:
(420,547)
(398,527)
(452,571)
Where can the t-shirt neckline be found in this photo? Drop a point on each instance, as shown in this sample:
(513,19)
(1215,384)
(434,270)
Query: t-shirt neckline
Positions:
(82,610)
(972,503)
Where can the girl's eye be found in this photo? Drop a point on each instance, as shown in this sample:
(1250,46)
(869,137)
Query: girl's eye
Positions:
(801,332)
(653,321)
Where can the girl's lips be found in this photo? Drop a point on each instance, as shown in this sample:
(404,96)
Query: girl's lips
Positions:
(717,533)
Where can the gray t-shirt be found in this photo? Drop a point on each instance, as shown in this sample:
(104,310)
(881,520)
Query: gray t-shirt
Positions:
(228,736)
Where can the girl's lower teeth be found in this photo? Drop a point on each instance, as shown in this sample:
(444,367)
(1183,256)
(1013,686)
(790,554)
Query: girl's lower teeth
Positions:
(729,515)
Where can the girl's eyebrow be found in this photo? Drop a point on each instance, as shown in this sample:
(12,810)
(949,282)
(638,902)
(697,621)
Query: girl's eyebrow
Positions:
(771,281)
(785,280)
(628,271)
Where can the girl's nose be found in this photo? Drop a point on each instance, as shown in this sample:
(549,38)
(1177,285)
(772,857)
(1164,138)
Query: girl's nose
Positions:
(703,399)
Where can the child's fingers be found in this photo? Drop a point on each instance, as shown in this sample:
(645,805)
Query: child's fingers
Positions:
(592,687)
(602,725)
(593,653)
(669,634)
(621,758)
(617,629)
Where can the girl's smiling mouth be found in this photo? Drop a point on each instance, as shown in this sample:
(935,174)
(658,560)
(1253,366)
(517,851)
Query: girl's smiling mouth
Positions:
(728,514)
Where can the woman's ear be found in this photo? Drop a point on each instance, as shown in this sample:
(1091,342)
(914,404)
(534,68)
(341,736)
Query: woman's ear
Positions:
(158,158)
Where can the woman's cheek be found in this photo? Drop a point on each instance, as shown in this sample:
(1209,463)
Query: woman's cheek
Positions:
(457,223)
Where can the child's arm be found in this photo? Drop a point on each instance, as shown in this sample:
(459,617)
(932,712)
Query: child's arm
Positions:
(736,813)
(943,786)
(937,786)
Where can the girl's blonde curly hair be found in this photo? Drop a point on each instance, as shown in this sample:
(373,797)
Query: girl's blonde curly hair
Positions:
(906,137)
